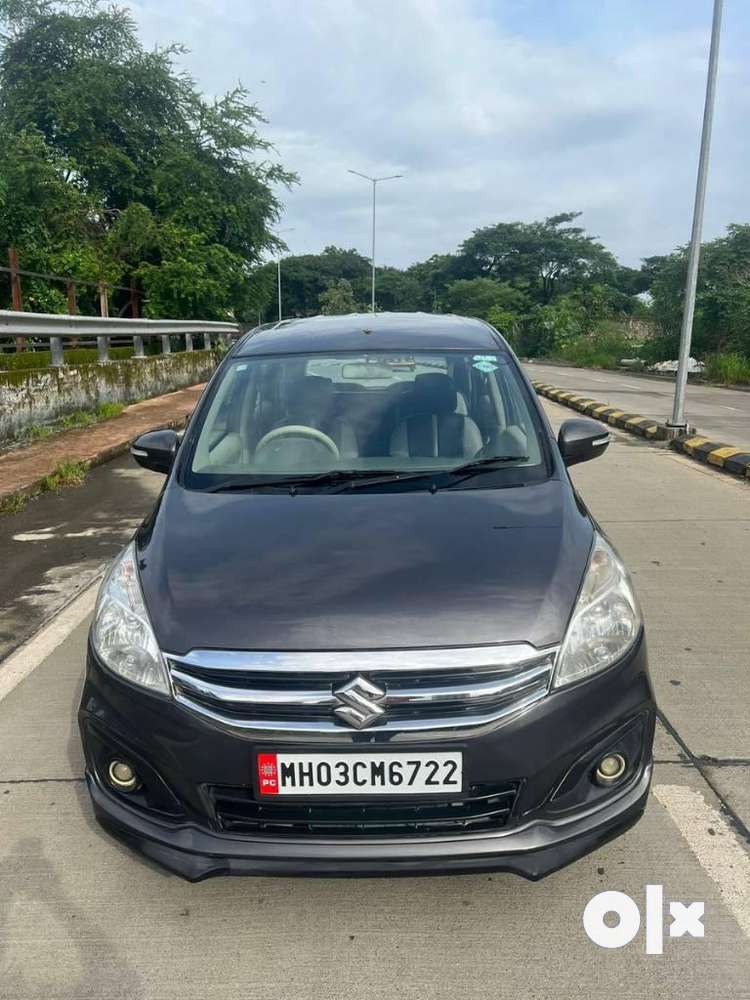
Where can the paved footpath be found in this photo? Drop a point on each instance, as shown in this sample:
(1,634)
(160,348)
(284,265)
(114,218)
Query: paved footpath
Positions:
(82,917)
(22,468)
(720,414)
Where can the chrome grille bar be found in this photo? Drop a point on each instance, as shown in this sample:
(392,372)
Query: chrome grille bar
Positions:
(474,658)
(288,696)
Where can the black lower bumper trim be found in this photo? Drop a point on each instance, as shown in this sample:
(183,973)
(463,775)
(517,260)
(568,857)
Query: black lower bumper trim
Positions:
(532,850)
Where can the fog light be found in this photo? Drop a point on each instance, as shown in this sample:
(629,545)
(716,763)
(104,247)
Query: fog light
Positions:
(122,776)
(610,769)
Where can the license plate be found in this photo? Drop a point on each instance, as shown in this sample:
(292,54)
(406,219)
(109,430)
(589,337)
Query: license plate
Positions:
(359,774)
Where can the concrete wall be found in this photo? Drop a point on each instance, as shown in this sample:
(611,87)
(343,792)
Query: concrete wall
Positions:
(39,396)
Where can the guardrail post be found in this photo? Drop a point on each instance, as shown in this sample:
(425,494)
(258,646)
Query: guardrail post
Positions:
(102,347)
(57,359)
(138,351)
(166,347)
(188,341)
(207,341)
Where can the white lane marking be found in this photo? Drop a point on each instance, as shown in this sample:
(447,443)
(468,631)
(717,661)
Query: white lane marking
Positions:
(25,660)
(734,409)
(48,534)
(720,854)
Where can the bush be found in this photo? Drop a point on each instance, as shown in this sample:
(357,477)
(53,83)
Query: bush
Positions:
(603,349)
(729,369)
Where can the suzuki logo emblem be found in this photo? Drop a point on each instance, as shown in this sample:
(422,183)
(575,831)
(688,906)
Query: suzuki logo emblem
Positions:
(361,702)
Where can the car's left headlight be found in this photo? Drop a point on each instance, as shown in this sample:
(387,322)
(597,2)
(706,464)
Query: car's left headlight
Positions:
(606,619)
(121,633)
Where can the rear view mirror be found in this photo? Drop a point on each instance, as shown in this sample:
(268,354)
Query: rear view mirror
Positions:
(156,450)
(580,440)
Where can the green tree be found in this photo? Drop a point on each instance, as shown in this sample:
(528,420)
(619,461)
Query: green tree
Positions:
(397,291)
(543,257)
(306,276)
(338,299)
(156,180)
(722,309)
(478,296)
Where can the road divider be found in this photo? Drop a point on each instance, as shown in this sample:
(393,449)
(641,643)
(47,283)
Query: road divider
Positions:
(722,456)
(633,422)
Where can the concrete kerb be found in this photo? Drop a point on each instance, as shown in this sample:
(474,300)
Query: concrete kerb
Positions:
(722,456)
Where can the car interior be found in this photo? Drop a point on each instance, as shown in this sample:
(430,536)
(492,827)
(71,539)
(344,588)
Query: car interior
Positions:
(284,417)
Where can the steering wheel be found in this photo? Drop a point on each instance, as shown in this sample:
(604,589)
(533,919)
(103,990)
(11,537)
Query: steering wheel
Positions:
(298,430)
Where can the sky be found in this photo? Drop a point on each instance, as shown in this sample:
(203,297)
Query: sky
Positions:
(493,110)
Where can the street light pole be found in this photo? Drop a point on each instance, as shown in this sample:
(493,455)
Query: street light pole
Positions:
(678,410)
(374,181)
(278,269)
(278,277)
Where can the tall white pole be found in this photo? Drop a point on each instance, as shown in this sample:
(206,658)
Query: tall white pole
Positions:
(686,333)
(289,229)
(374,188)
(278,277)
(374,181)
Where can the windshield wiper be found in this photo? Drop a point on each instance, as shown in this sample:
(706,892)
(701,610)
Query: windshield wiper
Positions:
(486,464)
(465,471)
(479,465)
(292,482)
(364,477)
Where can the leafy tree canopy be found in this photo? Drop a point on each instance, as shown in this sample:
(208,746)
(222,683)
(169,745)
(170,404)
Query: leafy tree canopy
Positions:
(107,146)
(338,299)
(539,256)
(722,309)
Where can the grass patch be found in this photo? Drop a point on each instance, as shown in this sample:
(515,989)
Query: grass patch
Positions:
(66,474)
(601,349)
(14,503)
(70,421)
(729,369)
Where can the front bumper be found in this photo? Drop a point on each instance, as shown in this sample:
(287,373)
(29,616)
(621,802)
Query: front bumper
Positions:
(533,850)
(559,814)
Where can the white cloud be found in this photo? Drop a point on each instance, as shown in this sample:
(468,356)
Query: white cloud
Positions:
(487,118)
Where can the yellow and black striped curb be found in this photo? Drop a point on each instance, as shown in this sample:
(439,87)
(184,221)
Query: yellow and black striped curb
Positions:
(722,456)
(644,426)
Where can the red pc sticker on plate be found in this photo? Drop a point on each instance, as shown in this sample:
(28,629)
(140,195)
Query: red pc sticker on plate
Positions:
(268,774)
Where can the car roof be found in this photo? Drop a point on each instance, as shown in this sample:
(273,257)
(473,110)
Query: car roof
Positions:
(365,331)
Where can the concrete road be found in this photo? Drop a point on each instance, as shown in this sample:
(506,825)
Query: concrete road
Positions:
(59,543)
(721,414)
(82,917)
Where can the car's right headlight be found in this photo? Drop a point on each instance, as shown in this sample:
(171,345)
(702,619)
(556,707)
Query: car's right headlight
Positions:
(606,619)
(122,634)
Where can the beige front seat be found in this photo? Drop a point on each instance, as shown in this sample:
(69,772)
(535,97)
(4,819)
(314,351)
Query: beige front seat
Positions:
(434,429)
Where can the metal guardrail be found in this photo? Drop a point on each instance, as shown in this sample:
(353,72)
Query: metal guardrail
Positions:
(61,328)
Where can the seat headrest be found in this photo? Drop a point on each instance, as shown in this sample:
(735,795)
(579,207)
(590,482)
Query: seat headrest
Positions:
(433,393)
(310,396)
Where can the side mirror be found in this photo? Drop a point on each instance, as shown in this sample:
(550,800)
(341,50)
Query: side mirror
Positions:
(156,450)
(580,440)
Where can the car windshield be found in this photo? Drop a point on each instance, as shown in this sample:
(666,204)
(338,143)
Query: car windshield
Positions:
(296,416)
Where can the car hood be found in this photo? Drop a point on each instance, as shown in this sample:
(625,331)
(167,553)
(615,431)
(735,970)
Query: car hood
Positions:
(363,570)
